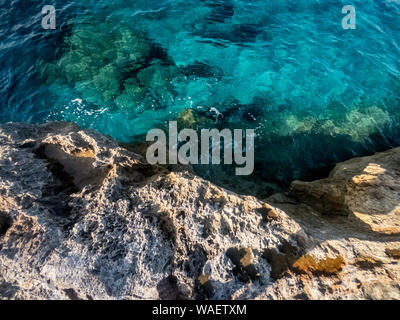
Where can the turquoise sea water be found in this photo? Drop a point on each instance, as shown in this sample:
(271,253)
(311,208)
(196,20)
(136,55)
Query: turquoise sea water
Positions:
(315,94)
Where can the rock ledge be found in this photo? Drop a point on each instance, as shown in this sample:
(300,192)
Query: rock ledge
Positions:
(83,218)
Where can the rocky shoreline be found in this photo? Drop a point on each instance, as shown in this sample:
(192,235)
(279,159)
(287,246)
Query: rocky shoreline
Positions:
(83,218)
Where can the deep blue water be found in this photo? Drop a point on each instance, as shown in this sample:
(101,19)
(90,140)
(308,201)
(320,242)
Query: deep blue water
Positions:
(315,93)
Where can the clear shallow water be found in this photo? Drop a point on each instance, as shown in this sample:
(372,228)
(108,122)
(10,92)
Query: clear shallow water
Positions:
(315,93)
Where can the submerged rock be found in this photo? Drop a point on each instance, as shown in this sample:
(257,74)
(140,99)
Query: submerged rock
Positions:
(190,119)
(83,218)
(117,67)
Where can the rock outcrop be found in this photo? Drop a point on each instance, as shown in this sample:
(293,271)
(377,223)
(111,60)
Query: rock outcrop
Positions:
(83,218)
(367,190)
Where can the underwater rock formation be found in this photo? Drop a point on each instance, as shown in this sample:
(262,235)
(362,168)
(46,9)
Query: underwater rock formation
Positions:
(83,218)
(114,67)
(129,79)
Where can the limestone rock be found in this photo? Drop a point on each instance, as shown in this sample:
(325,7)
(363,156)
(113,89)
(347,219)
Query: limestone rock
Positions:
(83,218)
(367,190)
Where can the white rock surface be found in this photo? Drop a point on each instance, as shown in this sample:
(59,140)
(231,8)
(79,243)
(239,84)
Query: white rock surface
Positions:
(83,218)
